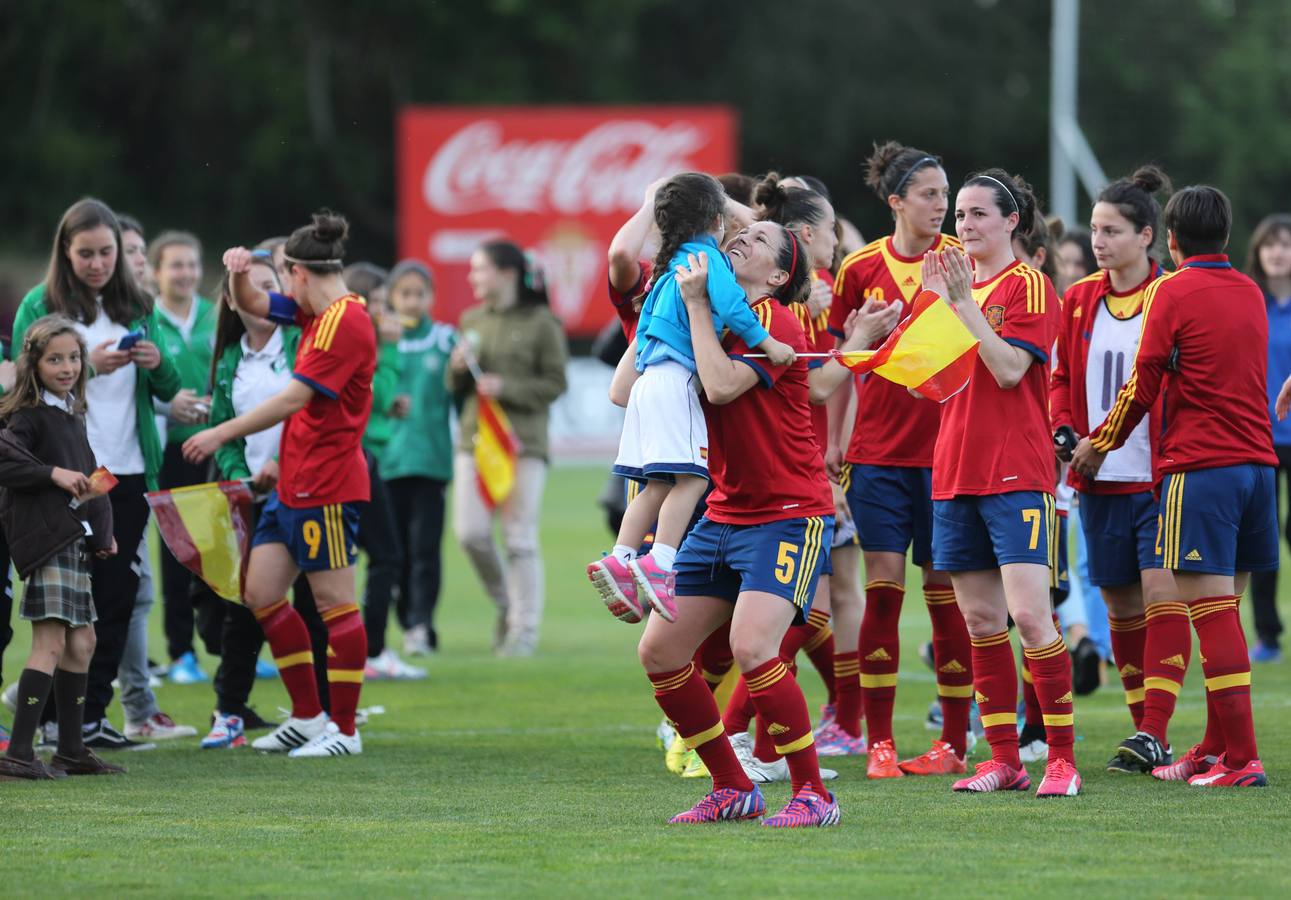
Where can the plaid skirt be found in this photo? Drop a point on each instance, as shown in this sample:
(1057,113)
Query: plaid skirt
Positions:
(60,589)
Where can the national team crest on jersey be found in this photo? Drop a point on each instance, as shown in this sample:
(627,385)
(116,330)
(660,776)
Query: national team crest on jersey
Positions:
(994,317)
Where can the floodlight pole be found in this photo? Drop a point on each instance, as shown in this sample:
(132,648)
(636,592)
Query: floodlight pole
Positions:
(1069,153)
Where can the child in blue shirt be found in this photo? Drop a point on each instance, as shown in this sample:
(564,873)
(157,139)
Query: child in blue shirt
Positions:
(665,437)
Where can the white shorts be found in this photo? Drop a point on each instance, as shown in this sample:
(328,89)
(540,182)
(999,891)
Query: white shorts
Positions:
(664,432)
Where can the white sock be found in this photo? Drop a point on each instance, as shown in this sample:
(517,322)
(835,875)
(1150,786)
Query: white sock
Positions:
(664,555)
(623,553)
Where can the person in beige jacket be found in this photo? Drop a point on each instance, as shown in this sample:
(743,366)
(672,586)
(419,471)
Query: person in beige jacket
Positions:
(513,349)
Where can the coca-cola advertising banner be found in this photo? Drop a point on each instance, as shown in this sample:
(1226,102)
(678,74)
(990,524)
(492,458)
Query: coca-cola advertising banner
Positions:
(559,181)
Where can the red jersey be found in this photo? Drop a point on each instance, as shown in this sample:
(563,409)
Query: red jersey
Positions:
(992,440)
(892,428)
(1085,301)
(1205,331)
(762,451)
(625,302)
(321,454)
(819,340)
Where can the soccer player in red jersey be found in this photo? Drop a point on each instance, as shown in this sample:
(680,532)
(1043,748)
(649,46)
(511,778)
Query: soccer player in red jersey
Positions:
(756,555)
(1101,323)
(309,524)
(886,472)
(993,479)
(1216,459)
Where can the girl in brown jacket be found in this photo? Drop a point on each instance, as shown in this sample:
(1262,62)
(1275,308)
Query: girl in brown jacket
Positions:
(45,456)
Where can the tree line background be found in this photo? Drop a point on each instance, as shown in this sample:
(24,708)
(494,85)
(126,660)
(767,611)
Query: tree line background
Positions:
(234,120)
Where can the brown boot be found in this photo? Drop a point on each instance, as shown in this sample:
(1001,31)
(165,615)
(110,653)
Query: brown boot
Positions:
(33,769)
(85,764)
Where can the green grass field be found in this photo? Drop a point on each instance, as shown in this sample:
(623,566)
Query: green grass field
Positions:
(540,777)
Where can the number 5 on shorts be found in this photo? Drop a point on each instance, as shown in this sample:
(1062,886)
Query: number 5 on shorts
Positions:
(785,564)
(1032,517)
(313,536)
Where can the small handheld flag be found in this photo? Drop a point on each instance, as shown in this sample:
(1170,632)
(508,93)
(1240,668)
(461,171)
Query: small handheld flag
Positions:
(496,449)
(208,529)
(101,482)
(931,351)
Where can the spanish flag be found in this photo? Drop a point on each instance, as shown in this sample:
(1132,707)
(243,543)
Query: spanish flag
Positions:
(208,529)
(496,449)
(930,351)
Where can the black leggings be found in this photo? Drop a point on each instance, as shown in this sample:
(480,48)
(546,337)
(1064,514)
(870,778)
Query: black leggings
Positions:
(379,538)
(1264,585)
(419,512)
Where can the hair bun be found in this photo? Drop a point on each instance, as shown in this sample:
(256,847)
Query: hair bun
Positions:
(770,194)
(1149,178)
(330,227)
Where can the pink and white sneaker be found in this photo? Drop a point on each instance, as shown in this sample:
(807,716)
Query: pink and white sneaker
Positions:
(1060,779)
(991,776)
(1194,762)
(614,582)
(1221,775)
(656,585)
(834,741)
(807,809)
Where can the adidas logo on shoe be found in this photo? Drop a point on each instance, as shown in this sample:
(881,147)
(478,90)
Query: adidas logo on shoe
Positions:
(879,655)
(775,729)
(981,698)
(1193,556)
(1130,669)
(1177,661)
(954,667)
(1065,698)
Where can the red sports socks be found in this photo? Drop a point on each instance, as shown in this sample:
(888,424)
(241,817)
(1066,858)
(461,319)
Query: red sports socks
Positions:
(782,713)
(820,650)
(1051,674)
(714,657)
(1129,636)
(1224,660)
(288,639)
(347,643)
(1166,651)
(880,652)
(995,679)
(686,700)
(1030,699)
(952,653)
(847,684)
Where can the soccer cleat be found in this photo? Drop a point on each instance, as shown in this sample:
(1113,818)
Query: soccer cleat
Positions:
(87,763)
(1220,775)
(227,732)
(992,775)
(694,767)
(266,669)
(674,758)
(834,741)
(33,769)
(940,759)
(807,809)
(1033,751)
(760,772)
(159,727)
(655,585)
(291,734)
(330,743)
(1060,779)
(618,589)
(387,666)
(101,735)
(1191,763)
(1141,752)
(664,734)
(723,805)
(827,711)
(883,761)
(186,671)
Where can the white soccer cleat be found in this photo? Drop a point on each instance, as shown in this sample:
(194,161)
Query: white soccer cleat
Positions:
(760,772)
(330,743)
(291,734)
(1034,751)
(389,667)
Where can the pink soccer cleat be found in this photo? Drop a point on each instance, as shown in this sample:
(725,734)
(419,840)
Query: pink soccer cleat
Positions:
(991,776)
(1220,775)
(834,741)
(1194,762)
(723,805)
(656,585)
(807,809)
(613,581)
(1060,779)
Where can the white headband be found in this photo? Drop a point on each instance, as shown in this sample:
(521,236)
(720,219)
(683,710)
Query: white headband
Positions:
(1012,199)
(312,262)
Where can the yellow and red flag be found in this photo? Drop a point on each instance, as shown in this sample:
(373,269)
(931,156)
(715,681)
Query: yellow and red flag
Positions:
(931,351)
(496,449)
(208,529)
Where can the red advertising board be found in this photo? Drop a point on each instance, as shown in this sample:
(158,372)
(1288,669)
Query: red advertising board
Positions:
(559,181)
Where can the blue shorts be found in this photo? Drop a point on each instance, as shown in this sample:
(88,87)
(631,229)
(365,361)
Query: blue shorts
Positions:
(972,533)
(1219,521)
(784,558)
(317,537)
(1120,536)
(892,507)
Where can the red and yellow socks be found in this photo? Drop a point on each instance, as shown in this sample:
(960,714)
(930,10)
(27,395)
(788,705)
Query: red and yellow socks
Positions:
(995,679)
(1129,637)
(714,657)
(347,643)
(686,700)
(847,685)
(782,714)
(739,709)
(1222,648)
(1030,699)
(880,652)
(1051,673)
(288,639)
(820,650)
(952,652)
(1167,649)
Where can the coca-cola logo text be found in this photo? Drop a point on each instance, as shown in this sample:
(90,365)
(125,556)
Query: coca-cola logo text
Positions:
(604,171)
